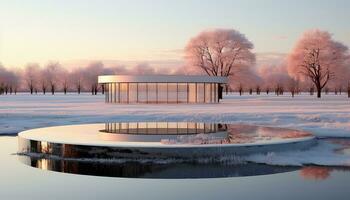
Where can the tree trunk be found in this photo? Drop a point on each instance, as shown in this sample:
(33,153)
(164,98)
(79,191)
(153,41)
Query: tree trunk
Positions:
(319,90)
(220,92)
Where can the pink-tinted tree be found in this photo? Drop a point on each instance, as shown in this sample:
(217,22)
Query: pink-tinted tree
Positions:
(317,57)
(220,52)
(76,78)
(92,71)
(52,73)
(31,76)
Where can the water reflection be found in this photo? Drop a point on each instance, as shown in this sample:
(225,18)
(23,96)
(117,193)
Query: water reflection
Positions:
(195,133)
(152,170)
(319,172)
(159,140)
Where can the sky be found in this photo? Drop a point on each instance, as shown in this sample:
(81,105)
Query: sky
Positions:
(75,32)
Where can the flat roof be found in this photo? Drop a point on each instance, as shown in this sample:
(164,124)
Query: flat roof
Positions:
(160,79)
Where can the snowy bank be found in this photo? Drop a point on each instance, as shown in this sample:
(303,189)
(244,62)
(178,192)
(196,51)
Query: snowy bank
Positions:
(326,117)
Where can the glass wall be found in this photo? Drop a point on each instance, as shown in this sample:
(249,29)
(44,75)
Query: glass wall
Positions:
(192,93)
(152,92)
(161,92)
(142,93)
(172,93)
(133,93)
(124,92)
(182,93)
(200,93)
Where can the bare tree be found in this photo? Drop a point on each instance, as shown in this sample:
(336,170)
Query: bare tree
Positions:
(258,90)
(31,76)
(348,88)
(220,52)
(317,57)
(293,87)
(240,89)
(250,91)
(65,76)
(52,72)
(77,79)
(91,75)
(43,81)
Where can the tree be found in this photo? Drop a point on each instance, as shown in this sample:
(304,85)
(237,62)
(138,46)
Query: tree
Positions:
(317,57)
(52,72)
(77,79)
(92,71)
(43,81)
(65,76)
(220,52)
(31,76)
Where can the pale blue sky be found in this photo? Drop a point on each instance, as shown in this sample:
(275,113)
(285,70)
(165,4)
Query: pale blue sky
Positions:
(73,30)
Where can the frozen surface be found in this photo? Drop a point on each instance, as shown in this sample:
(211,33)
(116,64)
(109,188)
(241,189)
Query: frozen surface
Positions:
(90,134)
(328,152)
(326,117)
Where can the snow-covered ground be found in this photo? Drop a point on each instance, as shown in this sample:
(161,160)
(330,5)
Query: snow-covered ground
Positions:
(326,117)
(329,116)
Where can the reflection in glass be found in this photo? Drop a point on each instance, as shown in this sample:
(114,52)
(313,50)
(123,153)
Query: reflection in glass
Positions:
(142,93)
(152,92)
(161,92)
(200,92)
(133,93)
(182,93)
(172,93)
(123,92)
(208,93)
(192,93)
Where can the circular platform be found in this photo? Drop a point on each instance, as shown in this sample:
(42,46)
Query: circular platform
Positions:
(157,140)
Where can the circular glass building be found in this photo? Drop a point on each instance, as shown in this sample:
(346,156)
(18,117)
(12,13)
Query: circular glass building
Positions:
(162,88)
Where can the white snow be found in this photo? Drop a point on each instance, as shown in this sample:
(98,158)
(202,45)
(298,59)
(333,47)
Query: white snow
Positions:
(325,117)
(326,153)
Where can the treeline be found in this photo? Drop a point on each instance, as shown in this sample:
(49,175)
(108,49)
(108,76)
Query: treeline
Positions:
(53,78)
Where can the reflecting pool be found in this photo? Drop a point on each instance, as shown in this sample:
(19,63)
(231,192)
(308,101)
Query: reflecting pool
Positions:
(160,140)
(180,181)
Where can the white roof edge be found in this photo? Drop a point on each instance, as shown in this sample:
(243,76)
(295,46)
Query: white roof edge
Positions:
(161,79)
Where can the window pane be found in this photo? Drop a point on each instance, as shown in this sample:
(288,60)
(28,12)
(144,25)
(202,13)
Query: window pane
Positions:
(200,92)
(142,93)
(182,92)
(124,92)
(207,92)
(162,92)
(152,93)
(132,92)
(215,91)
(192,93)
(172,93)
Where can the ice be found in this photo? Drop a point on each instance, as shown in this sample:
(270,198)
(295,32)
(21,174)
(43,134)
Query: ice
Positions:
(325,153)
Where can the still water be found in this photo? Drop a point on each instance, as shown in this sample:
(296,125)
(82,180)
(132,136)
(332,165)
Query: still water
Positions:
(181,181)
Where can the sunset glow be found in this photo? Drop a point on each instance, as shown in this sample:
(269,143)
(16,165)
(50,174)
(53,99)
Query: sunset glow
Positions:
(121,32)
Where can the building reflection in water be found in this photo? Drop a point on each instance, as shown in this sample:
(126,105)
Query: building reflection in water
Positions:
(163,128)
(154,170)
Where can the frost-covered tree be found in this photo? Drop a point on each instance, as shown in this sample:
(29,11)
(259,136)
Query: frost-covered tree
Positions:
(53,73)
(220,52)
(91,73)
(31,76)
(317,57)
(76,77)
